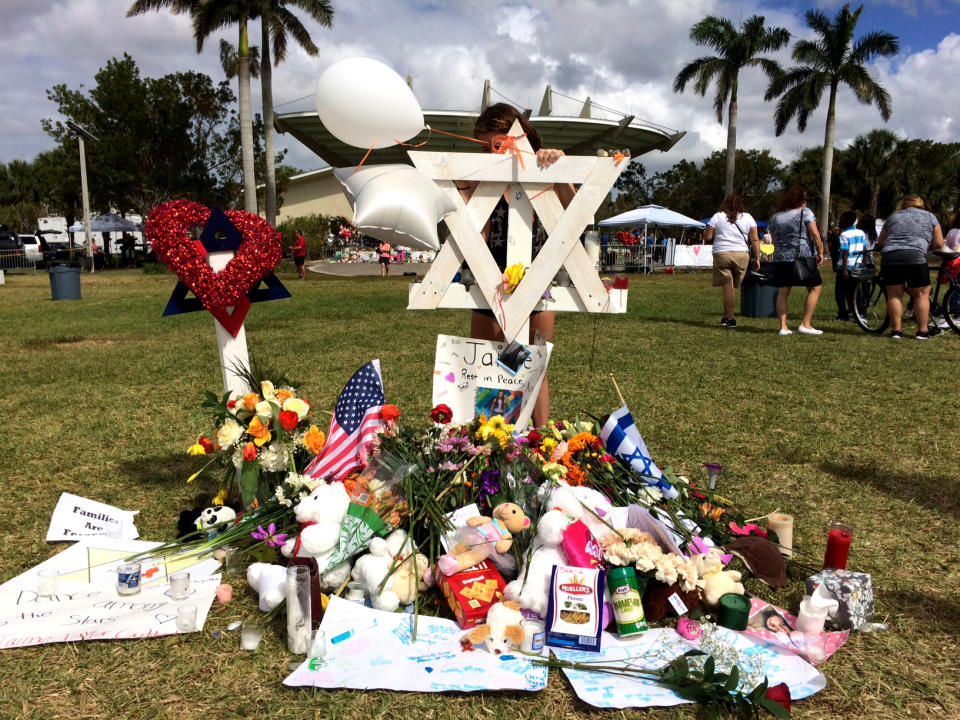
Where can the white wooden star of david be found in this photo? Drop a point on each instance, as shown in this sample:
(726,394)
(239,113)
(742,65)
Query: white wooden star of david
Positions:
(530,189)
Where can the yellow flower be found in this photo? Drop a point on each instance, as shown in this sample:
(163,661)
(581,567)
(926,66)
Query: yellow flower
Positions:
(259,432)
(221,497)
(283,395)
(194,476)
(314,439)
(300,407)
(266,389)
(512,276)
(196,449)
(547,446)
(502,437)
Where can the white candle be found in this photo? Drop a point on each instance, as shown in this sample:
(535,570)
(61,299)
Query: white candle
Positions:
(187,618)
(179,585)
(533,635)
(46,582)
(250,635)
(782,525)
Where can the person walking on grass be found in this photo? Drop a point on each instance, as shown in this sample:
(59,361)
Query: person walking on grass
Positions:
(797,256)
(852,246)
(384,250)
(907,236)
(732,231)
(300,255)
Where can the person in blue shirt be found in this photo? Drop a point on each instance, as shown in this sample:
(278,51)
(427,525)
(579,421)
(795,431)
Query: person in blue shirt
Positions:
(852,244)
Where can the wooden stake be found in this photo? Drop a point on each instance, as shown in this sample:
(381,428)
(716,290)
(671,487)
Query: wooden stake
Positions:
(617,388)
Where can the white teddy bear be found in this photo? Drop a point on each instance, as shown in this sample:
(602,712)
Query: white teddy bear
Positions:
(590,506)
(371,569)
(325,509)
(269,582)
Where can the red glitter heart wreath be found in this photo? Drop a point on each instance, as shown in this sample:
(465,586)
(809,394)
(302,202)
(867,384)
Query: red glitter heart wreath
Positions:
(168,228)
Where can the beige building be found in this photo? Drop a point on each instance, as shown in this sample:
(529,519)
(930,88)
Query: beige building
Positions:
(317,191)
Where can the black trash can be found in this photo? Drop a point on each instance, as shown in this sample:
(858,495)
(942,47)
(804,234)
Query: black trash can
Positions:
(64,282)
(758,295)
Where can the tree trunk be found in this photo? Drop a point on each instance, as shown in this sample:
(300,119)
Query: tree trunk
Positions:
(246,121)
(874,198)
(266,84)
(731,141)
(823,220)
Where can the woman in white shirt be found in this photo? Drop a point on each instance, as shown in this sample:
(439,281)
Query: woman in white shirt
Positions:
(732,231)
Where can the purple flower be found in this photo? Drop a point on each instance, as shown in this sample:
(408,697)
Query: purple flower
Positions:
(259,533)
(489,482)
(269,535)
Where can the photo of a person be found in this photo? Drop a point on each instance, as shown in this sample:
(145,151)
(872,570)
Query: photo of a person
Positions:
(491,402)
(498,405)
(770,620)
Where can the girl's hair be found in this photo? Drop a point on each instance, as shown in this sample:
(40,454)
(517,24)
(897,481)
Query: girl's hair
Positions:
(910,201)
(868,223)
(956,221)
(792,198)
(732,206)
(847,219)
(498,119)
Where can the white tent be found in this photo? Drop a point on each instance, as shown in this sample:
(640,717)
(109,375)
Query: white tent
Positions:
(652,216)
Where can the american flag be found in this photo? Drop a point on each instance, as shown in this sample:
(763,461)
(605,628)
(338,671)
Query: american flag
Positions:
(352,426)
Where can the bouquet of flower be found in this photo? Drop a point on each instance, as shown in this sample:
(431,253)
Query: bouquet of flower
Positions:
(256,439)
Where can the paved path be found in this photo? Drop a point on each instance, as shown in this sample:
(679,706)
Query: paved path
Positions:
(365,269)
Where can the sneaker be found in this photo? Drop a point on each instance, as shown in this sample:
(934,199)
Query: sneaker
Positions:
(896,335)
(842,318)
(809,331)
(923,336)
(943,324)
(724,321)
(786,332)
(731,324)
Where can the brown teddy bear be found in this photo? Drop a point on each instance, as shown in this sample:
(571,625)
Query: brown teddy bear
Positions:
(484,538)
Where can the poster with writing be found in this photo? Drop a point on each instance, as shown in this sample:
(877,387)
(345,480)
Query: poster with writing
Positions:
(467,378)
(369,649)
(76,517)
(80,611)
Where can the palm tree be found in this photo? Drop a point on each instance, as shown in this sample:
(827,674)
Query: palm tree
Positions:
(276,21)
(735,49)
(874,157)
(209,16)
(834,58)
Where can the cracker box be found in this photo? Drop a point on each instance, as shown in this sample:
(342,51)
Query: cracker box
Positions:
(854,592)
(575,612)
(470,593)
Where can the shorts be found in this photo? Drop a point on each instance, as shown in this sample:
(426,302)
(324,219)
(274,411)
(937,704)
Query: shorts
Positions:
(384,261)
(730,267)
(783,276)
(298,261)
(915,275)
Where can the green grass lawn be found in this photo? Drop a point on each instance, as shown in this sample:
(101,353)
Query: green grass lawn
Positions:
(102,398)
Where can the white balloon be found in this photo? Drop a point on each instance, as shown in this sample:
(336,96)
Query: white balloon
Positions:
(396,204)
(362,102)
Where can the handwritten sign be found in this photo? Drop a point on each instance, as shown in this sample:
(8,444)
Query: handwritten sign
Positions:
(380,653)
(467,378)
(76,517)
(80,611)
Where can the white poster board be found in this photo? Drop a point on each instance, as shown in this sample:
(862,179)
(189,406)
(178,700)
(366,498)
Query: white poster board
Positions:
(80,611)
(655,648)
(384,656)
(76,517)
(700,256)
(467,378)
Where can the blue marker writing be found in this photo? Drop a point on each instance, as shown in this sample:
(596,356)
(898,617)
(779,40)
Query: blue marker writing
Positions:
(350,633)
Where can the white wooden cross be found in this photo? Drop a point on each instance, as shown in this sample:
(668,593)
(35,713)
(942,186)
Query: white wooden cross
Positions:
(529,189)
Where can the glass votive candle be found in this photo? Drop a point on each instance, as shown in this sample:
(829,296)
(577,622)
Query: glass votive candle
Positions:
(128,578)
(233,561)
(115,530)
(318,646)
(533,635)
(355,593)
(187,618)
(47,582)
(180,585)
(251,633)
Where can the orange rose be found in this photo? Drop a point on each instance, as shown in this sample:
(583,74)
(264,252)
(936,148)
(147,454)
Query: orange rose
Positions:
(389,412)
(314,439)
(282,395)
(249,452)
(260,432)
(250,401)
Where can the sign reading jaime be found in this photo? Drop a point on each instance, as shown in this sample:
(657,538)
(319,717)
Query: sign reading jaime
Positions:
(467,378)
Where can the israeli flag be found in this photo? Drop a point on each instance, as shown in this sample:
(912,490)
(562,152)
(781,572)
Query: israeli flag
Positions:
(621,437)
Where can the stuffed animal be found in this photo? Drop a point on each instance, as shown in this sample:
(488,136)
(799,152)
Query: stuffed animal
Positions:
(402,585)
(484,538)
(714,580)
(321,515)
(590,506)
(269,582)
(532,585)
(214,516)
(502,631)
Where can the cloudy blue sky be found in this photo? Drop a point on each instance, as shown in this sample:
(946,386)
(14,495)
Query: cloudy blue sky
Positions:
(624,54)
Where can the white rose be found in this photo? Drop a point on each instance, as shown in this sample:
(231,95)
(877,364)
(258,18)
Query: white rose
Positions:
(264,410)
(266,389)
(300,407)
(229,433)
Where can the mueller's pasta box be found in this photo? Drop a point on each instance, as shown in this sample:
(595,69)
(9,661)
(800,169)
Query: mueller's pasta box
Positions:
(574,615)
(470,593)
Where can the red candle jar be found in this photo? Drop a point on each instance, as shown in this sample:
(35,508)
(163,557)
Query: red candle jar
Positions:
(838,546)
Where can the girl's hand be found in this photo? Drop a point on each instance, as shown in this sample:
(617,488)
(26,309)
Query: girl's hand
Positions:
(547,157)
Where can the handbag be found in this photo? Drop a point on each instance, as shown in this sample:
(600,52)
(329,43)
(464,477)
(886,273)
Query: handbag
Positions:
(804,268)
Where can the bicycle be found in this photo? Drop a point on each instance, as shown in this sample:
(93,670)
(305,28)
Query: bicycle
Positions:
(870,298)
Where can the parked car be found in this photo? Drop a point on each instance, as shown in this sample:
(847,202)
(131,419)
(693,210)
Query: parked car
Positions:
(33,247)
